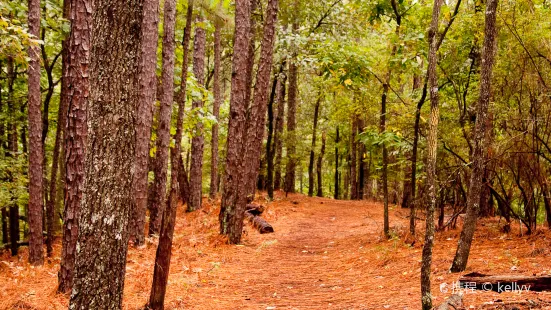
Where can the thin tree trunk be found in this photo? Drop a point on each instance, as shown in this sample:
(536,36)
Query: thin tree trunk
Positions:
(36,256)
(77,79)
(157,202)
(353,163)
(481,142)
(312,148)
(236,127)
(382,129)
(319,166)
(108,188)
(279,124)
(336,195)
(216,110)
(197,142)
(361,163)
(148,87)
(61,118)
(5,233)
(12,152)
(164,250)
(270,143)
(291,119)
(432,145)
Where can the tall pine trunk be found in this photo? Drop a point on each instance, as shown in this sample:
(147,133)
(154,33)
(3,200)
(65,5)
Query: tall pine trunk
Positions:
(157,201)
(480,139)
(257,119)
(164,249)
(279,124)
(36,256)
(148,87)
(353,157)
(432,141)
(319,166)
(77,80)
(291,117)
(336,194)
(109,166)
(216,110)
(197,142)
(312,148)
(270,143)
(236,126)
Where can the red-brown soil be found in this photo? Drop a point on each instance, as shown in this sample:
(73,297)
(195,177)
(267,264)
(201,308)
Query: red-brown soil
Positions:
(324,254)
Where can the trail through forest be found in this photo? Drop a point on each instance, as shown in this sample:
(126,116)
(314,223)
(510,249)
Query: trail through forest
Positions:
(324,254)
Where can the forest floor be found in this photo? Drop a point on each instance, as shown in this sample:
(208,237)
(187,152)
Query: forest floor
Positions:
(324,254)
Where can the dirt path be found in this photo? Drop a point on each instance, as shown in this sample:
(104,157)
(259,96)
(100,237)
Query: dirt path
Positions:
(325,254)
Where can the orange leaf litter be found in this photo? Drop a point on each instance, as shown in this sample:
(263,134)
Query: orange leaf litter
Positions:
(324,254)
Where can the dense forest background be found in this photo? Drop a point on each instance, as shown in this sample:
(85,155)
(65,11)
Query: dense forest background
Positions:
(437,107)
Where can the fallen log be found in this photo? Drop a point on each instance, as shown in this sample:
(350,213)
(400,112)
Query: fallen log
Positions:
(259,223)
(452,303)
(255,209)
(505,283)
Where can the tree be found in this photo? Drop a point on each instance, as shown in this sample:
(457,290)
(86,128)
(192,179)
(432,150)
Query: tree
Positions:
(319,166)
(311,163)
(77,79)
(197,142)
(291,115)
(236,126)
(279,124)
(109,166)
(164,249)
(218,96)
(157,201)
(432,141)
(36,256)
(257,118)
(480,139)
(148,86)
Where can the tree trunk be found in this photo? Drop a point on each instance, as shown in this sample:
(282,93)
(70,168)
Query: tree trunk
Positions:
(229,224)
(353,163)
(12,152)
(279,122)
(257,120)
(413,183)
(157,202)
(36,256)
(270,143)
(361,163)
(432,146)
(336,195)
(164,250)
(473,200)
(5,233)
(216,110)
(148,87)
(312,148)
(291,120)
(197,142)
(77,79)
(319,166)
(109,166)
(382,129)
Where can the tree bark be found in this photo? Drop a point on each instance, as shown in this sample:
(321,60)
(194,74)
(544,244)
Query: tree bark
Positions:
(312,148)
(157,202)
(148,87)
(109,166)
(197,142)
(77,79)
(236,127)
(413,183)
(336,195)
(257,119)
(432,146)
(319,166)
(216,110)
(473,200)
(279,124)
(270,143)
(5,233)
(36,256)
(164,250)
(291,119)
(353,163)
